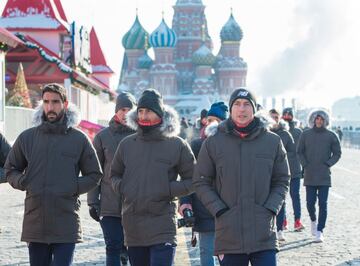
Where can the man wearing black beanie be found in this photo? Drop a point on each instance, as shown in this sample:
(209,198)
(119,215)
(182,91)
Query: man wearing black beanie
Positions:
(144,172)
(242,177)
(102,200)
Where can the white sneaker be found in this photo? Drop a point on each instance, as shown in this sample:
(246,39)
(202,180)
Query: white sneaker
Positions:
(280,236)
(313,228)
(319,238)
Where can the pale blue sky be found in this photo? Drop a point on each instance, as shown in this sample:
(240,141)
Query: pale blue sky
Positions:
(309,49)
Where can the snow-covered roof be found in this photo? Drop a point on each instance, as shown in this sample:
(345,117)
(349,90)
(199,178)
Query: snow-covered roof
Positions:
(42,14)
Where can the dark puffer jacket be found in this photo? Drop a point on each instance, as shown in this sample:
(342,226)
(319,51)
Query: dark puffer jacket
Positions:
(4,151)
(251,178)
(144,172)
(106,141)
(318,150)
(45,161)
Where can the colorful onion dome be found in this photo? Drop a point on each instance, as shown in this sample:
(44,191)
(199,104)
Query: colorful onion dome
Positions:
(203,56)
(145,61)
(135,37)
(163,36)
(231,31)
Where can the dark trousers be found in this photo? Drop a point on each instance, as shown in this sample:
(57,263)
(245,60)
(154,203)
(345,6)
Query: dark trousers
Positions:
(261,258)
(156,255)
(51,254)
(280,218)
(114,239)
(295,197)
(322,193)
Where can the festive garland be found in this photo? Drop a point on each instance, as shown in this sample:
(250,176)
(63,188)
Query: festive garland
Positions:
(3,47)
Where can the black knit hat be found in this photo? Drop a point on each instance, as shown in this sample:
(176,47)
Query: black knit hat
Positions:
(55,88)
(125,99)
(242,93)
(152,99)
(288,111)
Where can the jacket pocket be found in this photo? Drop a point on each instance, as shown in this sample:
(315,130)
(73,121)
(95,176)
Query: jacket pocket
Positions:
(67,217)
(32,224)
(264,223)
(226,228)
(159,207)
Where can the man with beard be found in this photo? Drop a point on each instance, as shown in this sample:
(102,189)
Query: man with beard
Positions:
(45,161)
(242,177)
(145,172)
(103,201)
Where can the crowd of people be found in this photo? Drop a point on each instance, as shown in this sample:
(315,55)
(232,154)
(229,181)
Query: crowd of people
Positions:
(230,182)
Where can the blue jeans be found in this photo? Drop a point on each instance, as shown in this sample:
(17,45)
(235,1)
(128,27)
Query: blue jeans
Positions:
(261,258)
(280,217)
(206,246)
(322,193)
(295,197)
(156,255)
(42,254)
(114,239)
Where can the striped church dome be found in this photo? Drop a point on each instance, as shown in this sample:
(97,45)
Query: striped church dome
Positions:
(135,37)
(163,36)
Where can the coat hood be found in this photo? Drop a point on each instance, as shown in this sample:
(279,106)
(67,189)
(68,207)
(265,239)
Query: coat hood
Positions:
(72,115)
(170,126)
(318,112)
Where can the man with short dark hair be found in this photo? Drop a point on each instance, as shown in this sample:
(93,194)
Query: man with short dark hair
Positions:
(319,149)
(248,166)
(45,161)
(145,172)
(103,201)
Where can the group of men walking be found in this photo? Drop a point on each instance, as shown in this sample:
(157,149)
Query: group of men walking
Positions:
(138,167)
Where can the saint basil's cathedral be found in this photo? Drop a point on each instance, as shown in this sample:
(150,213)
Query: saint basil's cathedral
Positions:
(185,70)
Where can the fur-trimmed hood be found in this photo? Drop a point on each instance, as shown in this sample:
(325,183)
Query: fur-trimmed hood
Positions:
(318,112)
(170,126)
(72,115)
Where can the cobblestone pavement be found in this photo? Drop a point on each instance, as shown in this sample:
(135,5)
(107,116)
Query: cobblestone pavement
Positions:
(342,234)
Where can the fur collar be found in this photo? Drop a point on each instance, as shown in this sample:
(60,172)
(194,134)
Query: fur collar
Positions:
(72,115)
(213,128)
(318,112)
(170,126)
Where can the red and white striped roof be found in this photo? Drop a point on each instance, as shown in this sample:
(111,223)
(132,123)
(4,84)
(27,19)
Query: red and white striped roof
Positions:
(97,58)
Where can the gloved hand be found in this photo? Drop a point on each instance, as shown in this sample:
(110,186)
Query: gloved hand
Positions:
(94,213)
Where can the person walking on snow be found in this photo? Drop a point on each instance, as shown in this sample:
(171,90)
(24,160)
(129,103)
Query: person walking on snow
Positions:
(204,221)
(45,161)
(103,201)
(145,172)
(319,149)
(242,177)
(296,171)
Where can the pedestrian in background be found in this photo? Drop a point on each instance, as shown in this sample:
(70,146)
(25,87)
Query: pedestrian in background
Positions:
(4,151)
(45,161)
(204,221)
(319,149)
(249,168)
(103,201)
(296,171)
(280,128)
(145,172)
